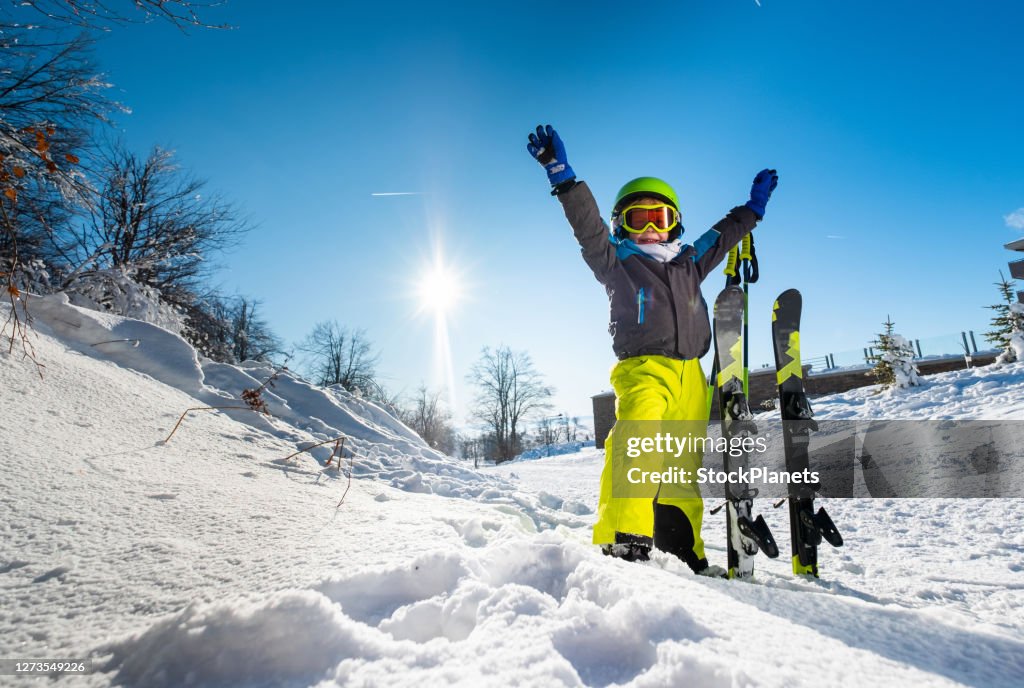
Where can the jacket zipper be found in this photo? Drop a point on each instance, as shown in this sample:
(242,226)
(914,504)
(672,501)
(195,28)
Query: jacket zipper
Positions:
(640,307)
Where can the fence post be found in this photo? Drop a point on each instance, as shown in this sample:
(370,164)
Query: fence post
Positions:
(918,343)
(974,344)
(967,350)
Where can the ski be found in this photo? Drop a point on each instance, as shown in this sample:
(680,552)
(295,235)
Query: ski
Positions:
(807,527)
(745,535)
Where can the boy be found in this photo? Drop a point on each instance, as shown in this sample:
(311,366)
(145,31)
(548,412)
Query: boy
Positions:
(660,329)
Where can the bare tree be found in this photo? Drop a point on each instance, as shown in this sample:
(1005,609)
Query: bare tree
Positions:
(340,357)
(152,222)
(431,420)
(383,397)
(229,330)
(93,14)
(51,96)
(477,448)
(572,427)
(251,336)
(509,392)
(549,430)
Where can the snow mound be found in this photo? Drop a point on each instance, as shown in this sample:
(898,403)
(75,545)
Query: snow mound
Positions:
(547,615)
(381,446)
(985,393)
(295,636)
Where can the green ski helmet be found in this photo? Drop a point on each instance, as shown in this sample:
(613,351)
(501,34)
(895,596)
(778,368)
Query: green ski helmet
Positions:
(638,188)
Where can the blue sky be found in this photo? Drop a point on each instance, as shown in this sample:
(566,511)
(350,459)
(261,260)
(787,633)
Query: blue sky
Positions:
(894,127)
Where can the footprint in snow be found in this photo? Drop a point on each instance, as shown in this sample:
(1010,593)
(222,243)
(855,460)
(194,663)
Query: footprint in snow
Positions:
(52,573)
(12,565)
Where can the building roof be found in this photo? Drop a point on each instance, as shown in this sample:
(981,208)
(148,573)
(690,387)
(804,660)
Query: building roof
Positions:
(1016,245)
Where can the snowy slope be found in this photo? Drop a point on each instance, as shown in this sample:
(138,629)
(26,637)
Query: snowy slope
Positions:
(210,561)
(987,393)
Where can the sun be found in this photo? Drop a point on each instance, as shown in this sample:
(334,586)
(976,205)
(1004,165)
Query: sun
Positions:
(439,289)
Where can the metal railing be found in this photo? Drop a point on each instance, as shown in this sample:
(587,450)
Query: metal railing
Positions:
(963,343)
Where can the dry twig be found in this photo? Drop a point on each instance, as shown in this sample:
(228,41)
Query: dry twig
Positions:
(254,397)
(203,408)
(314,446)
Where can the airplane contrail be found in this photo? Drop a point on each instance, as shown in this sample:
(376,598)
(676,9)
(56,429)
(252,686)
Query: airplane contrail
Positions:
(398,193)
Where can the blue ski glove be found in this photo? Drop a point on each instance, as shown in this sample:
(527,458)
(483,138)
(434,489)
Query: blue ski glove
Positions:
(764,183)
(547,147)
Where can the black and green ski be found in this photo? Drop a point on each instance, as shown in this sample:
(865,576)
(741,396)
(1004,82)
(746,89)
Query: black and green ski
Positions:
(745,535)
(807,527)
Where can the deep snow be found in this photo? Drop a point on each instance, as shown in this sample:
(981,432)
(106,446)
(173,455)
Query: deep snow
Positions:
(210,561)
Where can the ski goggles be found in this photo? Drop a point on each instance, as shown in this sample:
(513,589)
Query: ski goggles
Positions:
(637,218)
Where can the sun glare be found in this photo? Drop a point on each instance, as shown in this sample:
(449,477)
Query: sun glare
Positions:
(439,290)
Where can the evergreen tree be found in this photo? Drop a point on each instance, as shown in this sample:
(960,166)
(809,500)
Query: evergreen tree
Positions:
(883,344)
(894,360)
(1007,322)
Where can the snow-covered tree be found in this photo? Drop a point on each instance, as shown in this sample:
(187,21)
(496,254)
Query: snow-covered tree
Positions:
(153,222)
(894,360)
(51,97)
(1007,331)
(92,14)
(208,327)
(115,291)
(901,359)
(1017,338)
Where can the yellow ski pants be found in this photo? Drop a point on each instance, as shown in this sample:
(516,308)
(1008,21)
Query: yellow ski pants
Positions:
(652,388)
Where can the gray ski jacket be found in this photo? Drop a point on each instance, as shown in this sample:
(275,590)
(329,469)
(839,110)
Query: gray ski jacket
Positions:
(656,308)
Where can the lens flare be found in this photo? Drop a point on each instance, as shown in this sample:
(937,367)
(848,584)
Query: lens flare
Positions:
(439,289)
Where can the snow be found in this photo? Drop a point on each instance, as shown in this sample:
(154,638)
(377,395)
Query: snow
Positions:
(210,560)
(114,291)
(984,393)
(548,450)
(1017,338)
(901,358)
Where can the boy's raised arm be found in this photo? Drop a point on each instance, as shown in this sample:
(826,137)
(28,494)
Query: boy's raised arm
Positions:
(716,243)
(590,229)
(578,203)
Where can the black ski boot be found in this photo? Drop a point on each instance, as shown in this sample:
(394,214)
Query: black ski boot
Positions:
(629,547)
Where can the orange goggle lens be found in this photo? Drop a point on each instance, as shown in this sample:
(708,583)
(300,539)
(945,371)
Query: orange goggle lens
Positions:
(637,218)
